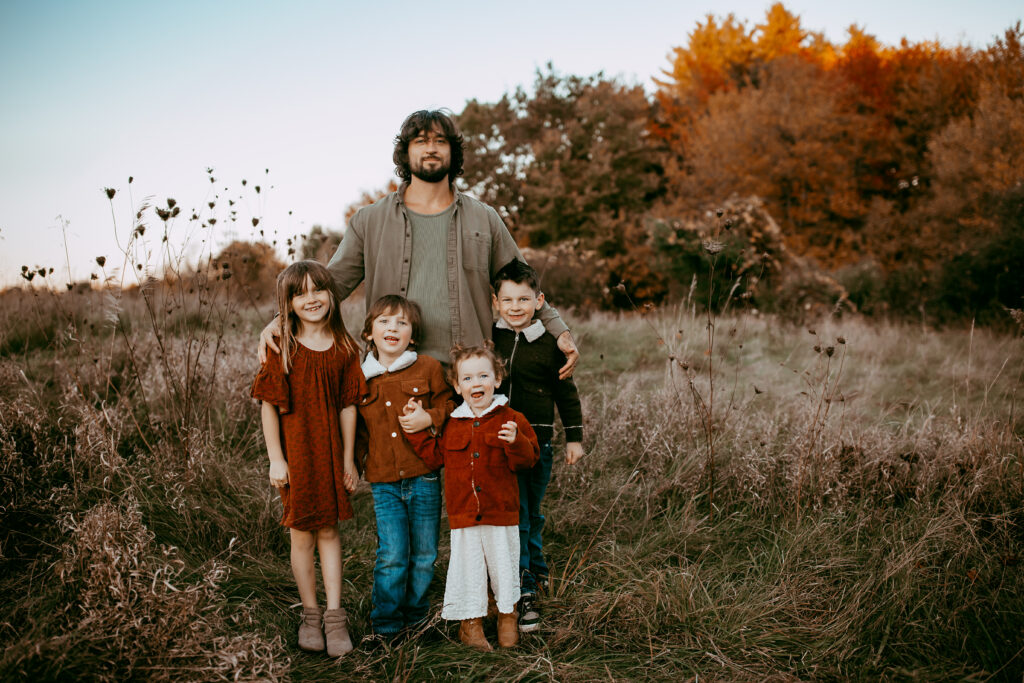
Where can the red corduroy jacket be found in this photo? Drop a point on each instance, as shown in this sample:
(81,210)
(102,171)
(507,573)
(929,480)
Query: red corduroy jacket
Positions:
(480,484)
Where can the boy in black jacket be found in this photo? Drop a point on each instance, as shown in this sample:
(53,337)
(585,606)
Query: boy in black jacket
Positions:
(533,388)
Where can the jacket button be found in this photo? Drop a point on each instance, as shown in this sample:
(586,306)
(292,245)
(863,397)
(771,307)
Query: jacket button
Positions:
(415,389)
(476,455)
(394,435)
(387,403)
(478,489)
(479,517)
(476,423)
(401,473)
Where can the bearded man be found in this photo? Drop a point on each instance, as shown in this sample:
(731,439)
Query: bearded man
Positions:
(433,245)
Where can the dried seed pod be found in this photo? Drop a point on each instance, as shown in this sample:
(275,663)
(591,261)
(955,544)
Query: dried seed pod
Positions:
(713,246)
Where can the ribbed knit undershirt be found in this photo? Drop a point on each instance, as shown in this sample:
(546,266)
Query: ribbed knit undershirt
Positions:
(428,279)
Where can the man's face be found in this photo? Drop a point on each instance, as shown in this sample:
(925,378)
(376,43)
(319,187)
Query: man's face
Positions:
(430,156)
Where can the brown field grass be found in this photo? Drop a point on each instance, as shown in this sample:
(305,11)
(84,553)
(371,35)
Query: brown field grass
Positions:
(865,524)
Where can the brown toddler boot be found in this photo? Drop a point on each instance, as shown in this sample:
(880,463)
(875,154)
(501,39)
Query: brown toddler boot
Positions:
(471,633)
(339,643)
(311,634)
(508,629)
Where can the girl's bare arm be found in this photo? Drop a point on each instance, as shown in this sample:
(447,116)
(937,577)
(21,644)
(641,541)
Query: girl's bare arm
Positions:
(348,440)
(272,436)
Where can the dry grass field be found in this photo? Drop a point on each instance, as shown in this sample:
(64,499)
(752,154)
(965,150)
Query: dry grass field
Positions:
(837,501)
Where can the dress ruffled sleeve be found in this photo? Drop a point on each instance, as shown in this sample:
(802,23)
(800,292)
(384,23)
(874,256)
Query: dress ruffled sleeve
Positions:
(353,383)
(271,384)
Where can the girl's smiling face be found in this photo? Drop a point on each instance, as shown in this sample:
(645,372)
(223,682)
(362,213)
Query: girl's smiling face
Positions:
(390,334)
(312,305)
(476,382)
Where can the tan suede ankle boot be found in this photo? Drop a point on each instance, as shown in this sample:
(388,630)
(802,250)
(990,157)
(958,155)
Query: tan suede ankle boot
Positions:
(471,633)
(508,629)
(339,643)
(311,632)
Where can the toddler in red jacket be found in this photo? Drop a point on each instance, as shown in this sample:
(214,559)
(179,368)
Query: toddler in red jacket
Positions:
(483,445)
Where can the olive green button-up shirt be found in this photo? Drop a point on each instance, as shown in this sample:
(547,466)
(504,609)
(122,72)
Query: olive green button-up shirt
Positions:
(377,247)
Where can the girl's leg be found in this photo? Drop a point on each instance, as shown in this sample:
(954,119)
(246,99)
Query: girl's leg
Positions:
(304,565)
(328,543)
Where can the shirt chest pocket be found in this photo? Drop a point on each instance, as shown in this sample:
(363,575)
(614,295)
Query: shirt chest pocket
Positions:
(415,389)
(457,440)
(476,250)
(458,457)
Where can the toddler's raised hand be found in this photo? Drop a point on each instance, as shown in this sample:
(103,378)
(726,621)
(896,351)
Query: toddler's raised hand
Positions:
(508,431)
(414,418)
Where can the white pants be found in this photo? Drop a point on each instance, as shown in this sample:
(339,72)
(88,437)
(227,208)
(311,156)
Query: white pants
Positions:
(479,552)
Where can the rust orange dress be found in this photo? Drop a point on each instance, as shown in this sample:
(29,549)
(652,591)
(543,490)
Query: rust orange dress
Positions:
(309,400)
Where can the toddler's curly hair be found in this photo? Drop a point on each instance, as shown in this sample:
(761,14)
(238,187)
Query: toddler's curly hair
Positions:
(460,353)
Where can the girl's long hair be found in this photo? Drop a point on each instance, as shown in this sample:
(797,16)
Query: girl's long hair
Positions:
(292,282)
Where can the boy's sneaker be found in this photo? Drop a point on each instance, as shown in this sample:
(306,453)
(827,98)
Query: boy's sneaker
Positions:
(529,617)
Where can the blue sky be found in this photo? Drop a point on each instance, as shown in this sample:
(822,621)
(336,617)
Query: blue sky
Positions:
(95,92)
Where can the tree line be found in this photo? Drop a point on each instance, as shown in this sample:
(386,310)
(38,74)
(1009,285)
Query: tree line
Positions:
(897,171)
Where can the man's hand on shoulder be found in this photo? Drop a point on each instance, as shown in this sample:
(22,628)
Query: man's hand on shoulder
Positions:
(268,337)
(572,355)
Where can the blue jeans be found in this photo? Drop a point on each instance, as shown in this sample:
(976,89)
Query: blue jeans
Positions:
(532,485)
(408,519)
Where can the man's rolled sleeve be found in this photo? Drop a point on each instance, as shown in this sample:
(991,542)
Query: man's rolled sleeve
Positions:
(347,266)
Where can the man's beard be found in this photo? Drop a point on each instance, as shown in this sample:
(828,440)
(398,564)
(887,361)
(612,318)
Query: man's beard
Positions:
(436,175)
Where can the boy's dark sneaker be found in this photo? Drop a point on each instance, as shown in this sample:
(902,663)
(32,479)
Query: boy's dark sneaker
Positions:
(529,617)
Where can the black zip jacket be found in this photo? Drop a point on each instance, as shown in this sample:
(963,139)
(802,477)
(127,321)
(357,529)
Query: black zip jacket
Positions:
(532,383)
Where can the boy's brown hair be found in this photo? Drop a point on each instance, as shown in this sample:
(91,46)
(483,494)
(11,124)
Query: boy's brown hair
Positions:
(460,353)
(393,303)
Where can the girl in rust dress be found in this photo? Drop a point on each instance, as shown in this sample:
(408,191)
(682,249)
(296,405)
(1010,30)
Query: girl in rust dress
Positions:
(309,393)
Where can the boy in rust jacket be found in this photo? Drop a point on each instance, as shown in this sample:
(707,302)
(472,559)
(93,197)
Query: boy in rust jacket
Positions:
(483,445)
(406,492)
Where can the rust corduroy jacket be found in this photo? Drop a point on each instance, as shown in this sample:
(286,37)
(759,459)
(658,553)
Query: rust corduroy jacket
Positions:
(480,484)
(385,456)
